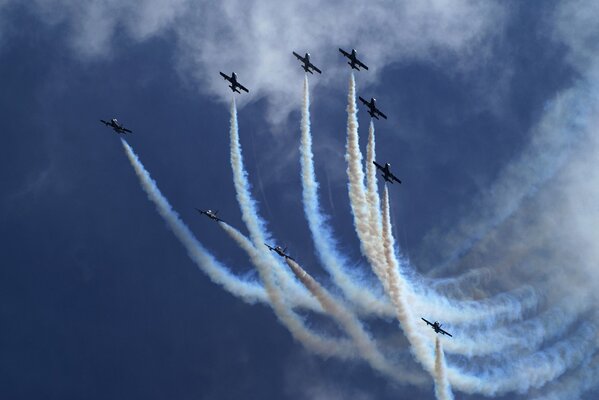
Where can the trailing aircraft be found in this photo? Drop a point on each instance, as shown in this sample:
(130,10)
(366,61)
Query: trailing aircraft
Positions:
(234,84)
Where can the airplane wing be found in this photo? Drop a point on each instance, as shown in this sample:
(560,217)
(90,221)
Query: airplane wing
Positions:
(363,101)
(269,248)
(315,68)
(240,86)
(345,53)
(225,76)
(379,166)
(381,114)
(104,122)
(393,177)
(427,322)
(298,56)
(361,64)
(125,130)
(444,332)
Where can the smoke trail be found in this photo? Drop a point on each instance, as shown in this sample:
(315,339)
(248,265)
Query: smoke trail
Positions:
(322,235)
(442,387)
(518,375)
(256,226)
(312,341)
(352,326)
(357,191)
(250,292)
(374,202)
(564,123)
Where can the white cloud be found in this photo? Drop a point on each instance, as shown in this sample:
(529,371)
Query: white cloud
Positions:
(255,38)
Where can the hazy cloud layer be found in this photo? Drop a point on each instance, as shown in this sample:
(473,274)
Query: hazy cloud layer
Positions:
(256,38)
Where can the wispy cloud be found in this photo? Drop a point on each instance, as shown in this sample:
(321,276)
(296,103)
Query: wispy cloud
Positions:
(256,38)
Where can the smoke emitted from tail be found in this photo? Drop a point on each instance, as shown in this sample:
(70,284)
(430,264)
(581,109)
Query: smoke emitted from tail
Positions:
(365,345)
(442,387)
(313,341)
(369,244)
(255,224)
(323,236)
(247,290)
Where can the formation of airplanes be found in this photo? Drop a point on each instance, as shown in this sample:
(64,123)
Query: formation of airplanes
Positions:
(308,67)
(437,327)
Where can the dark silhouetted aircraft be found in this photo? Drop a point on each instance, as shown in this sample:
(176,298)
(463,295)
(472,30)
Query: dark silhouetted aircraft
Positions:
(210,214)
(279,250)
(437,327)
(118,128)
(234,84)
(387,175)
(308,66)
(372,110)
(353,59)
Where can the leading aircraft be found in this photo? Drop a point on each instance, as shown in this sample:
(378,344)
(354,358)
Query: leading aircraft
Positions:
(387,175)
(353,59)
(279,250)
(308,66)
(210,214)
(437,327)
(118,128)
(234,84)
(372,110)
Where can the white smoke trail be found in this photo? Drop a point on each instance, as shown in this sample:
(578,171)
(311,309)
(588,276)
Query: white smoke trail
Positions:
(374,202)
(312,341)
(322,235)
(352,326)
(366,223)
(442,387)
(250,292)
(357,192)
(518,375)
(256,226)
(573,386)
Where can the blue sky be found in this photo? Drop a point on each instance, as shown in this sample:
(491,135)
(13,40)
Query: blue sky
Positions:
(97,297)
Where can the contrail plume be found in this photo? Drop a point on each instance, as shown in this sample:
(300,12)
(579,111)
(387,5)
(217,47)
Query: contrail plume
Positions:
(357,191)
(322,235)
(352,326)
(256,226)
(374,203)
(367,226)
(442,387)
(250,292)
(317,343)
(519,375)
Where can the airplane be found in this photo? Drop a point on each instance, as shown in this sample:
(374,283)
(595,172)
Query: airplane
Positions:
(372,110)
(234,84)
(387,175)
(353,60)
(437,327)
(308,66)
(210,214)
(279,250)
(118,128)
